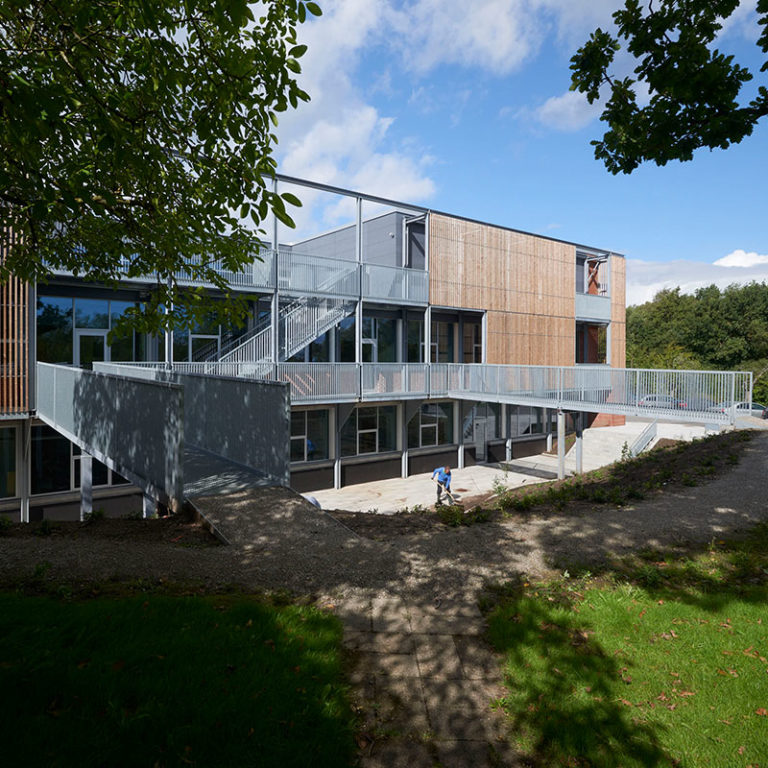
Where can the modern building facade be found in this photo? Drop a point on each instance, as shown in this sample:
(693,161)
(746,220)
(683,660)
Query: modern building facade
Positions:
(362,320)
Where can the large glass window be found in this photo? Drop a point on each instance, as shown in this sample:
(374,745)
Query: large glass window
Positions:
(7,462)
(432,425)
(54,329)
(346,336)
(472,343)
(487,414)
(309,435)
(524,420)
(443,345)
(55,464)
(371,429)
(51,461)
(415,341)
(92,313)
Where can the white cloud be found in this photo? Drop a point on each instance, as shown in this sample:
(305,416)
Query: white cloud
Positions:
(646,278)
(568,112)
(740,258)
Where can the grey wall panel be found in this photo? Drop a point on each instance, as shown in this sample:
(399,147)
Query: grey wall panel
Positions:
(133,426)
(242,420)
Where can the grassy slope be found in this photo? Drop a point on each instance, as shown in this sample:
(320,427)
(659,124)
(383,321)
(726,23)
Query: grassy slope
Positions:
(662,662)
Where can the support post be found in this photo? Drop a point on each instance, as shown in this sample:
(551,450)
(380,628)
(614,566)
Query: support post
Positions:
(169,332)
(560,444)
(579,444)
(460,457)
(549,442)
(148,506)
(86,486)
(26,452)
(275,303)
(508,449)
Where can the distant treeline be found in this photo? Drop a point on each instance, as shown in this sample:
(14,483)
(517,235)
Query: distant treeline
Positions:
(711,329)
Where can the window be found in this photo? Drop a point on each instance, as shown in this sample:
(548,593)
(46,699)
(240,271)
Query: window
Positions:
(591,343)
(55,464)
(443,342)
(7,462)
(486,413)
(309,435)
(54,329)
(432,425)
(64,322)
(472,343)
(415,341)
(370,430)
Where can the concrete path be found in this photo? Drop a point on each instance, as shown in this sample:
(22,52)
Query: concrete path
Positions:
(425,681)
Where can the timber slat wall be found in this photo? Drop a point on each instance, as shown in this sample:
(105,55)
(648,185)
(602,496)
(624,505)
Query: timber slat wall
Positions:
(618,270)
(14,347)
(526,284)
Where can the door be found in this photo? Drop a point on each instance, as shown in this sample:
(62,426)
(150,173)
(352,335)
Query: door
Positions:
(90,347)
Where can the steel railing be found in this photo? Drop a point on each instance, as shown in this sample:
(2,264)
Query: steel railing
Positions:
(708,396)
(302,273)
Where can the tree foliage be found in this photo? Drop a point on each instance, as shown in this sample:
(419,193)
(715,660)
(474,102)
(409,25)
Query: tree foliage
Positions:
(725,330)
(693,87)
(136,136)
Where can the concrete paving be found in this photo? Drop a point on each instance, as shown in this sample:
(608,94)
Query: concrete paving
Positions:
(601,446)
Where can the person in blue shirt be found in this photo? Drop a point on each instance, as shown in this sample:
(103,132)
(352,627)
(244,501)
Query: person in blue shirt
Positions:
(443,475)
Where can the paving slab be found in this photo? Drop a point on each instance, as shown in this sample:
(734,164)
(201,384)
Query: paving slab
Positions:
(437,657)
(390,614)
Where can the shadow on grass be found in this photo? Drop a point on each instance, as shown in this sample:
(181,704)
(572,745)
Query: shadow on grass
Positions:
(162,681)
(561,707)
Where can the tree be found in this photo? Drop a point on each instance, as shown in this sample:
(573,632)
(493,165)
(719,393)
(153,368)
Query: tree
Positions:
(136,137)
(693,87)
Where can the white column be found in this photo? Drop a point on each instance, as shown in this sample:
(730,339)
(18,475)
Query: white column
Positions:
(24,475)
(148,506)
(86,486)
(579,445)
(560,444)
(460,464)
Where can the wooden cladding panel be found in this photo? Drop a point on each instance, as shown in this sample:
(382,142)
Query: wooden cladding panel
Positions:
(618,269)
(525,283)
(14,347)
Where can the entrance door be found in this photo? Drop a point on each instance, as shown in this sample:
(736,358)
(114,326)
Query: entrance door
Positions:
(90,347)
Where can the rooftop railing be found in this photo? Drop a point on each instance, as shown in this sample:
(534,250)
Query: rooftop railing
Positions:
(299,273)
(708,396)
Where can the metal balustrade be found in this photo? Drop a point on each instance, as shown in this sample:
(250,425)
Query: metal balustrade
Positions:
(303,273)
(707,396)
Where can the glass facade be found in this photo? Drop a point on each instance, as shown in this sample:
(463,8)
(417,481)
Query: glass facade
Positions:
(55,464)
(432,425)
(309,435)
(54,330)
(7,462)
(370,429)
(74,330)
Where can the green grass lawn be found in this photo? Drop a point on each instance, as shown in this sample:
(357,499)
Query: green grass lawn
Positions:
(662,661)
(156,680)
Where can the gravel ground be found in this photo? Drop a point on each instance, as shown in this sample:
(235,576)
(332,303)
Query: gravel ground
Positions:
(280,541)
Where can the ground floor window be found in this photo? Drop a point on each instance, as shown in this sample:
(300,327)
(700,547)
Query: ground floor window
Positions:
(482,421)
(524,420)
(371,429)
(55,464)
(432,425)
(309,435)
(7,462)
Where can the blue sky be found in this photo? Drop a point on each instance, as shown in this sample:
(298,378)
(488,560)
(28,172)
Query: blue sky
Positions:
(464,108)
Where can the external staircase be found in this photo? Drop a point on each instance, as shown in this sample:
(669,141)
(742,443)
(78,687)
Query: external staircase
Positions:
(300,322)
